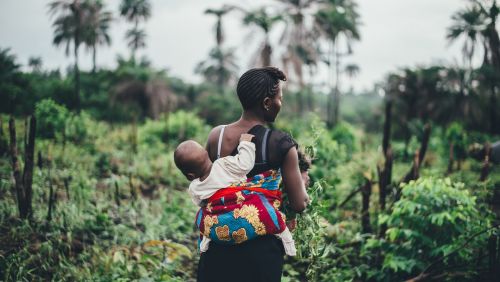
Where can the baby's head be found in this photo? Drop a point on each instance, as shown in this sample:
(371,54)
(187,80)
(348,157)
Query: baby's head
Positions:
(304,166)
(191,159)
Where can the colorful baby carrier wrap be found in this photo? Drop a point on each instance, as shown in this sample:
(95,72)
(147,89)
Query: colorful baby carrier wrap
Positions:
(244,210)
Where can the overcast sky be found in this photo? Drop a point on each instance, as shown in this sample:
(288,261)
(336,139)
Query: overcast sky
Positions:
(395,33)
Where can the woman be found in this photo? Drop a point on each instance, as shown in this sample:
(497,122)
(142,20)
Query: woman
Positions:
(259,259)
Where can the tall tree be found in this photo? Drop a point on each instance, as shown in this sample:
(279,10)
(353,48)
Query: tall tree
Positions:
(135,11)
(35,63)
(467,24)
(264,21)
(69,30)
(97,28)
(477,25)
(220,67)
(300,42)
(219,13)
(339,19)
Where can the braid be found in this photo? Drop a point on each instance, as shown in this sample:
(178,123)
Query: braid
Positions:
(257,84)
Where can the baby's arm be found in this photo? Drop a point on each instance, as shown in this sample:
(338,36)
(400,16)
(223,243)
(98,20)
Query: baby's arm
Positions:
(243,162)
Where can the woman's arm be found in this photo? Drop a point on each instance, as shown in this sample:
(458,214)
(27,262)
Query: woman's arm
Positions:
(292,180)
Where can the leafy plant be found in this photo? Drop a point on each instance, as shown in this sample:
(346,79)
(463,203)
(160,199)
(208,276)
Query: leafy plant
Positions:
(431,220)
(51,119)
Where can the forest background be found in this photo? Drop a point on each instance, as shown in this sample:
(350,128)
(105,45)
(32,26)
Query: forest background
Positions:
(405,181)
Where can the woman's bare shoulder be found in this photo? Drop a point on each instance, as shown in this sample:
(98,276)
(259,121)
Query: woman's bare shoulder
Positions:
(214,134)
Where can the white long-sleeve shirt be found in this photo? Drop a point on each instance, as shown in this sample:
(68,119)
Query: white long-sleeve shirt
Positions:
(225,171)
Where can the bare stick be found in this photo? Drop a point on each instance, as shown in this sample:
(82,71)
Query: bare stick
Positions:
(29,157)
(485,170)
(366,192)
(16,169)
(353,193)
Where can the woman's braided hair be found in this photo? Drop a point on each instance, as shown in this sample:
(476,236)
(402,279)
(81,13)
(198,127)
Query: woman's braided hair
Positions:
(257,84)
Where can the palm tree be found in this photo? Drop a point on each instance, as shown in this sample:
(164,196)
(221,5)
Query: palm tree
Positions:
(220,66)
(35,64)
(300,42)
(136,39)
(474,23)
(135,11)
(263,20)
(97,31)
(338,19)
(69,30)
(469,24)
(351,70)
(219,13)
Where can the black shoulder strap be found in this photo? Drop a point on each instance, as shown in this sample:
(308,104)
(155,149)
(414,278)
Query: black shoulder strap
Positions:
(264,146)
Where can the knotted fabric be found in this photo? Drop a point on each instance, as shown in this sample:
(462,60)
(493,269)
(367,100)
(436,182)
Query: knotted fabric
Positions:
(243,210)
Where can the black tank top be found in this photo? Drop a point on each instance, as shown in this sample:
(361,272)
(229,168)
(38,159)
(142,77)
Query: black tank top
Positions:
(271,147)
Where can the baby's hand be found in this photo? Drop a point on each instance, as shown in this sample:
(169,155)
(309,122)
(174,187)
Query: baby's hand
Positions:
(246,137)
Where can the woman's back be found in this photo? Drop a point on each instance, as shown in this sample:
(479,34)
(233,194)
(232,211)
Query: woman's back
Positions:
(271,146)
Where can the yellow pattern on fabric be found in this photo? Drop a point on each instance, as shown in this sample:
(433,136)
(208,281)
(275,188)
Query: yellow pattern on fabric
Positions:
(276,204)
(239,198)
(251,213)
(240,235)
(222,233)
(283,216)
(208,222)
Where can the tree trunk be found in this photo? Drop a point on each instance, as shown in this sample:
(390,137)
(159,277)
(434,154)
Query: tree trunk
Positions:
(310,93)
(266,54)
(387,127)
(385,179)
(494,124)
(450,159)
(329,110)
(77,77)
(52,194)
(29,161)
(336,113)
(329,107)
(485,170)
(492,257)
(16,169)
(94,58)
(117,194)
(366,192)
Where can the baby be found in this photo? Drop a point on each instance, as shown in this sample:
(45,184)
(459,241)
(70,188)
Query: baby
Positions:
(207,177)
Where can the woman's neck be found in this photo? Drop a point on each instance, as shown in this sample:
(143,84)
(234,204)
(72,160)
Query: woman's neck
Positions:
(250,118)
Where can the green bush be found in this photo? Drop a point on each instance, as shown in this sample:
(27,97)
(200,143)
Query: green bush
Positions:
(51,119)
(172,129)
(456,135)
(343,133)
(432,219)
(77,127)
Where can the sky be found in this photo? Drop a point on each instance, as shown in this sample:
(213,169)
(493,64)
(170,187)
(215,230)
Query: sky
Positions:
(395,34)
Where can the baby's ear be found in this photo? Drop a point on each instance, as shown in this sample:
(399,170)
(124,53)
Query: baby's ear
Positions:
(190,176)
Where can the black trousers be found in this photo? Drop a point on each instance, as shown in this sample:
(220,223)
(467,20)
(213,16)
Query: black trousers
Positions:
(257,260)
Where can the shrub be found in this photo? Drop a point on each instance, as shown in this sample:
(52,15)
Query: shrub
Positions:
(76,127)
(433,218)
(51,119)
(343,133)
(456,135)
(173,129)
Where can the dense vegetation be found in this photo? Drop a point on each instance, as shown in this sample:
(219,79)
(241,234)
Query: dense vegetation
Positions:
(403,184)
